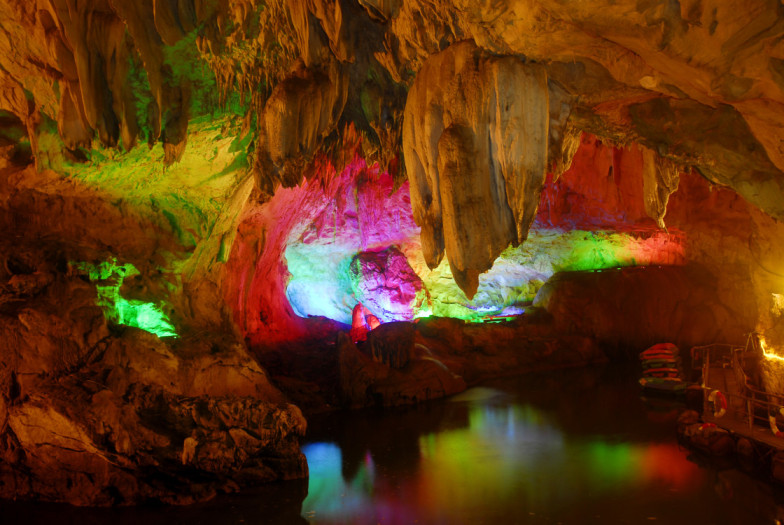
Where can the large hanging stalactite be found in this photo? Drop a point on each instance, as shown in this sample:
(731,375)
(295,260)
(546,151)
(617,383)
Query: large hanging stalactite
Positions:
(475,140)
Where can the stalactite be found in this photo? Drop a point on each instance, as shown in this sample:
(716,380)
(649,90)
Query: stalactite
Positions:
(300,112)
(475,140)
(660,180)
(569,146)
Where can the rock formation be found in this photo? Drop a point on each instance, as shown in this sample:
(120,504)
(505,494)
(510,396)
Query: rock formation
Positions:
(385,283)
(95,417)
(195,195)
(475,143)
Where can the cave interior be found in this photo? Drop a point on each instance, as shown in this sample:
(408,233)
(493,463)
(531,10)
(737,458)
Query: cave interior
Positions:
(219,217)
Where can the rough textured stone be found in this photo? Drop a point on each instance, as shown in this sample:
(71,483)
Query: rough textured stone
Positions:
(476,154)
(385,282)
(405,363)
(392,344)
(300,112)
(633,308)
(87,412)
(660,180)
(367,382)
(98,414)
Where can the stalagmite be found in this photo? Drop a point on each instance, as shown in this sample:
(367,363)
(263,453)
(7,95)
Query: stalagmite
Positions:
(475,139)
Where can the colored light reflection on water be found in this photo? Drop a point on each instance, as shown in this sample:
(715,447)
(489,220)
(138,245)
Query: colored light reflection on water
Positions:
(329,492)
(499,458)
(577,447)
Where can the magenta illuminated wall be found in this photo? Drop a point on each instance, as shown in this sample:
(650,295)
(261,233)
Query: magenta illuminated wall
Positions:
(314,250)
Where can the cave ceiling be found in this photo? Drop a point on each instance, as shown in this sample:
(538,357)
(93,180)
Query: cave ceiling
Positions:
(472,102)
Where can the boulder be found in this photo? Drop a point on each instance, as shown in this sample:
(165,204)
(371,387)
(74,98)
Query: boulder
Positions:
(385,283)
(633,308)
(366,382)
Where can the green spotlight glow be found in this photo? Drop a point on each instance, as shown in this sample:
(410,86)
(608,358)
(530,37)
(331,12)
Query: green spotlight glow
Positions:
(109,277)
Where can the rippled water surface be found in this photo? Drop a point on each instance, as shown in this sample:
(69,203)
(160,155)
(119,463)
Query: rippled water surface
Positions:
(565,447)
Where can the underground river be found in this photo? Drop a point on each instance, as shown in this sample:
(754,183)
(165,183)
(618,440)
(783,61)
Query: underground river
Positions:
(577,446)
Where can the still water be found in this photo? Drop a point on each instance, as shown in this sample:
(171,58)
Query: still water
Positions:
(569,447)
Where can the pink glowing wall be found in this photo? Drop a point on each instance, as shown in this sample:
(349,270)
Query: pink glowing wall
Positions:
(356,209)
(315,230)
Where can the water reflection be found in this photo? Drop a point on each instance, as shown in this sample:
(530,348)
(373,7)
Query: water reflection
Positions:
(515,453)
(328,491)
(520,453)
(572,448)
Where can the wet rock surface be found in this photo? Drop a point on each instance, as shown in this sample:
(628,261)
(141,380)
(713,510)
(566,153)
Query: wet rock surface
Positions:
(95,417)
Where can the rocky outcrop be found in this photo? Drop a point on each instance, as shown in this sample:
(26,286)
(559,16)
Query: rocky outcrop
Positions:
(385,283)
(403,363)
(94,413)
(93,416)
(392,344)
(90,446)
(633,308)
(531,342)
(367,382)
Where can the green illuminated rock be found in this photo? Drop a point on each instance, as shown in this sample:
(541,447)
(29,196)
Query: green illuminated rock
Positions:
(109,277)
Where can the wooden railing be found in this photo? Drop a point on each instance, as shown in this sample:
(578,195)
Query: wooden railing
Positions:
(746,401)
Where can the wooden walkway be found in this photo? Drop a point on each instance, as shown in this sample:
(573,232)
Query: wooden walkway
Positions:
(740,427)
(748,406)
(746,415)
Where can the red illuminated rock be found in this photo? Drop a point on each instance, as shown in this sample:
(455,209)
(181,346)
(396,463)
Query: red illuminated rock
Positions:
(359,323)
